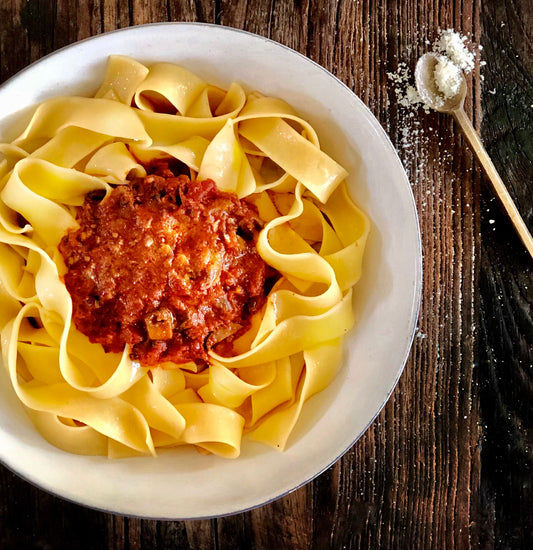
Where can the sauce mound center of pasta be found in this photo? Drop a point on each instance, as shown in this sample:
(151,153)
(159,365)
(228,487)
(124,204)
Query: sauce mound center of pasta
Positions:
(166,265)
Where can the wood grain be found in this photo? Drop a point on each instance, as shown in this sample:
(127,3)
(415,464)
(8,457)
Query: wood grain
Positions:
(506,316)
(448,462)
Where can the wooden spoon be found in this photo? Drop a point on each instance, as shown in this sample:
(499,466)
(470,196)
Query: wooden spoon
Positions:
(427,88)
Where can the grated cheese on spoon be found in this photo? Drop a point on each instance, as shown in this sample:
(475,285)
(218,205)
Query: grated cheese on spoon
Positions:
(454,57)
(447,76)
(453,46)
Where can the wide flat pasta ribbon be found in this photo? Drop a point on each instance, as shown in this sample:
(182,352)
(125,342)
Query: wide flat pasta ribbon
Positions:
(225,162)
(70,146)
(38,190)
(114,163)
(103,116)
(118,419)
(226,388)
(72,438)
(212,427)
(167,85)
(190,151)
(321,365)
(281,390)
(296,334)
(263,123)
(122,79)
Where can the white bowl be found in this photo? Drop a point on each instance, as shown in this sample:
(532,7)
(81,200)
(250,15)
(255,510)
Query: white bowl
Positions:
(181,484)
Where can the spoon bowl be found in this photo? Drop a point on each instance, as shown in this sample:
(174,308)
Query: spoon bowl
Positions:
(428,90)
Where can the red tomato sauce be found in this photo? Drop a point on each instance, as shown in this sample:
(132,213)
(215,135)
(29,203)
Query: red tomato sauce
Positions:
(166,265)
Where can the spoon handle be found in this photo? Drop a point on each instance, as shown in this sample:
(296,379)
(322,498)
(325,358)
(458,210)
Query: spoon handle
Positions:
(497,183)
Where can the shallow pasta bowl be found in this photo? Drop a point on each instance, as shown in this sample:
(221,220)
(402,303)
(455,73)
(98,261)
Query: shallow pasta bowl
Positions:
(181,484)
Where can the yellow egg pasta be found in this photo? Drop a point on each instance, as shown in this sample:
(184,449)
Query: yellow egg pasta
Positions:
(84,400)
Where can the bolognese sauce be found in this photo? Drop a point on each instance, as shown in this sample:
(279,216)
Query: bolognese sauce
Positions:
(166,265)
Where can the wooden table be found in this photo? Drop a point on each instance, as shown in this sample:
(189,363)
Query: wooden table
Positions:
(449,461)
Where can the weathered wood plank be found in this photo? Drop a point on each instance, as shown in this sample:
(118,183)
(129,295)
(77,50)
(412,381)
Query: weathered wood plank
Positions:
(505,371)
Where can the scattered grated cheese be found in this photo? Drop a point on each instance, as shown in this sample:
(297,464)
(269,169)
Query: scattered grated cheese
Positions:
(406,93)
(455,55)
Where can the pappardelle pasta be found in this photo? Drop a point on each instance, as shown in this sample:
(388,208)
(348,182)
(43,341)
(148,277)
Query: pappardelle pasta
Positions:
(85,400)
